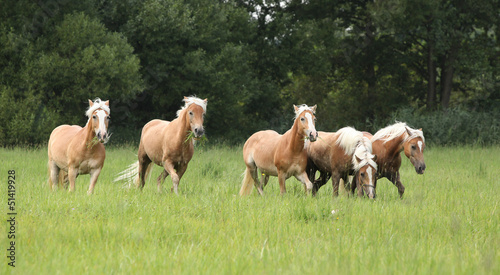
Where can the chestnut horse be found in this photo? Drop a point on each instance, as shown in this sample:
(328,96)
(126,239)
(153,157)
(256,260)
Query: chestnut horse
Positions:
(346,152)
(280,155)
(387,144)
(74,150)
(168,144)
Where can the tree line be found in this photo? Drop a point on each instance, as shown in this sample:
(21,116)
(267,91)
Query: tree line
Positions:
(431,63)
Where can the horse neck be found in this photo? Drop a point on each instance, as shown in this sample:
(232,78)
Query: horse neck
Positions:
(395,146)
(181,123)
(89,131)
(296,138)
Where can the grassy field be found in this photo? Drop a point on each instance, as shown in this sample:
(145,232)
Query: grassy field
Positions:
(447,223)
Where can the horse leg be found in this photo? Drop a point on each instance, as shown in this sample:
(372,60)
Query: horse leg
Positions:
(359,186)
(282,179)
(254,172)
(322,180)
(143,169)
(161,179)
(53,175)
(72,174)
(305,180)
(63,178)
(353,184)
(335,184)
(94,174)
(169,167)
(264,179)
(396,181)
(180,172)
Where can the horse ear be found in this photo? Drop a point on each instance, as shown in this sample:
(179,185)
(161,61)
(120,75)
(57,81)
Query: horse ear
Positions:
(313,108)
(91,103)
(106,103)
(357,158)
(295,108)
(408,131)
(420,129)
(205,100)
(185,98)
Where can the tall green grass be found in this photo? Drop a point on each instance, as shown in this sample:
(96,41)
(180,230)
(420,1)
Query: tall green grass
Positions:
(447,222)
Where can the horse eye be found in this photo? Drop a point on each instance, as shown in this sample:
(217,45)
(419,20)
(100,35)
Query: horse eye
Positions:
(413,147)
(190,113)
(108,118)
(302,119)
(94,117)
(362,174)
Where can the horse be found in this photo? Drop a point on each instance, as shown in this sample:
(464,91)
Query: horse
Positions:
(346,152)
(74,150)
(278,155)
(169,145)
(387,144)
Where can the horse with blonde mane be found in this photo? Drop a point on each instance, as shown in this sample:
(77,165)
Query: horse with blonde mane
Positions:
(278,155)
(346,152)
(168,144)
(74,150)
(387,144)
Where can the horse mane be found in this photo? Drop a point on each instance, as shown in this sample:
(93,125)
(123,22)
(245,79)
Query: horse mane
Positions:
(397,129)
(354,143)
(98,104)
(190,100)
(301,109)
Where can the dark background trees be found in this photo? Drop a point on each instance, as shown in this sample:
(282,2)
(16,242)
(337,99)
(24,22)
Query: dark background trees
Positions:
(365,63)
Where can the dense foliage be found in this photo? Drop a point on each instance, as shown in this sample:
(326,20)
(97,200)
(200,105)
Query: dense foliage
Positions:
(431,63)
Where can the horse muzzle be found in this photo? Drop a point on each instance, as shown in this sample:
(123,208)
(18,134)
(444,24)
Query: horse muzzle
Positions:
(103,138)
(420,168)
(199,132)
(313,135)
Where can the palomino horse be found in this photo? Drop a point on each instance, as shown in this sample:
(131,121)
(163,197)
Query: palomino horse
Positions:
(74,150)
(341,154)
(280,155)
(387,144)
(168,144)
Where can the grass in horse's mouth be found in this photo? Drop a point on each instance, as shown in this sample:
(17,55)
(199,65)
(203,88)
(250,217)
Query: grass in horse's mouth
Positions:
(192,136)
(92,142)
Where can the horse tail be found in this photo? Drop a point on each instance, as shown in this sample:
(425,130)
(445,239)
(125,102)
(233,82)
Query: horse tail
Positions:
(130,175)
(247,183)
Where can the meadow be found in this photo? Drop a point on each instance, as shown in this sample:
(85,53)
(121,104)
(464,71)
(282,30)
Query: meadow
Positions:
(447,223)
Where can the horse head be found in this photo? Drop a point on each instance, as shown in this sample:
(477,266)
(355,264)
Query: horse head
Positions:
(366,176)
(306,121)
(98,114)
(196,109)
(414,146)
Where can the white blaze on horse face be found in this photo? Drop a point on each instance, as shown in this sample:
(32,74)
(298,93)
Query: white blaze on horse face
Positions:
(310,122)
(101,116)
(420,145)
(370,175)
(369,171)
